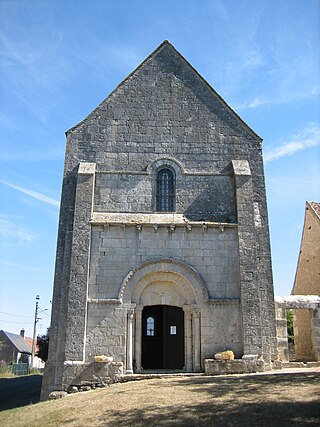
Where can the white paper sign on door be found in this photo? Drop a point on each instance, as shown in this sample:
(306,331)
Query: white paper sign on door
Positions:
(173,330)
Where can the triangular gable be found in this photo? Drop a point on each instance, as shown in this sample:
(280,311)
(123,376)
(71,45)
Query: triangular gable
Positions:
(167,45)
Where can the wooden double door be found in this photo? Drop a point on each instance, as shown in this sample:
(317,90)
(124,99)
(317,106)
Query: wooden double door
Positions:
(162,337)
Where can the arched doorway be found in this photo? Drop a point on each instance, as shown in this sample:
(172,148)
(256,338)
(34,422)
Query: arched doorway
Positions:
(163,282)
(162,337)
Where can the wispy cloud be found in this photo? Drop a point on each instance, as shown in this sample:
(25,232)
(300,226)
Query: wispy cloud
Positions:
(266,65)
(31,72)
(309,137)
(104,59)
(13,231)
(257,102)
(25,267)
(315,90)
(33,194)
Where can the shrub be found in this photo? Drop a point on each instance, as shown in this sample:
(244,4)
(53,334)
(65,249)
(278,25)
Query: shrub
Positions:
(34,371)
(4,368)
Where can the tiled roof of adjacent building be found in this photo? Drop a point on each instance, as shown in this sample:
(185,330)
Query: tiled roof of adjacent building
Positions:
(29,340)
(18,342)
(316,207)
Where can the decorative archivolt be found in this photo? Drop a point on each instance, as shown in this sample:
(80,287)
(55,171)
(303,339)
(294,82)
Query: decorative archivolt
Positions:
(164,271)
(166,162)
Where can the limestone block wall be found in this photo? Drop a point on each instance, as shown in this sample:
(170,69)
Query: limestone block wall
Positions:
(282,333)
(303,346)
(221,328)
(304,304)
(117,249)
(164,113)
(199,197)
(106,331)
(315,331)
(307,282)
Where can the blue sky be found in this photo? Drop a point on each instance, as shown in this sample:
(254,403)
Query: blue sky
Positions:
(60,59)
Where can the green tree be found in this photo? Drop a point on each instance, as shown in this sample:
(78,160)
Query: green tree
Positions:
(43,345)
(290,325)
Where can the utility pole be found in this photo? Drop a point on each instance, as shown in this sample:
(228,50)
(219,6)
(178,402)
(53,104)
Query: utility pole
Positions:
(35,329)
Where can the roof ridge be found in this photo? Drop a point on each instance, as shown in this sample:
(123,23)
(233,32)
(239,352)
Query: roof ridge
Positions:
(167,42)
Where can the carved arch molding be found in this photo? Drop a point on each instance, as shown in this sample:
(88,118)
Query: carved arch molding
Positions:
(163,282)
(186,280)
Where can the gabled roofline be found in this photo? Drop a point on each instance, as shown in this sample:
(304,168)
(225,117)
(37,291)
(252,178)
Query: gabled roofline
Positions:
(214,92)
(18,342)
(308,207)
(120,84)
(193,69)
(311,206)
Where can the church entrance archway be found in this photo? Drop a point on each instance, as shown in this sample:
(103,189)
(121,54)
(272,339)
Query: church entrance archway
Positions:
(162,337)
(171,283)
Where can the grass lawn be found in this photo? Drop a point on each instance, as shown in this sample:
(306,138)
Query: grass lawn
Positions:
(285,399)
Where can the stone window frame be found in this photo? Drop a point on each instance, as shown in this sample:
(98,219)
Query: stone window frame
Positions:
(165,190)
(154,168)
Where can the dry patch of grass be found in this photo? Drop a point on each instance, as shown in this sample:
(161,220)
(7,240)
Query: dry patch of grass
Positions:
(257,400)
(7,375)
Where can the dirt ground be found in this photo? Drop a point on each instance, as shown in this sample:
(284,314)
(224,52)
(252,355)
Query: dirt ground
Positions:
(287,398)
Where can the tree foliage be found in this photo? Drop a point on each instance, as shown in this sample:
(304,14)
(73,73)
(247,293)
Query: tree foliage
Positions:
(290,325)
(43,345)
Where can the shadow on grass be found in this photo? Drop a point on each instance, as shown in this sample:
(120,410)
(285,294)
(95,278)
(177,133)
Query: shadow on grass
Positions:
(222,415)
(19,391)
(227,404)
(259,384)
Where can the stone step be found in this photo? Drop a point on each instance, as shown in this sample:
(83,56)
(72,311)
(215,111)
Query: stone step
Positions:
(163,374)
(300,365)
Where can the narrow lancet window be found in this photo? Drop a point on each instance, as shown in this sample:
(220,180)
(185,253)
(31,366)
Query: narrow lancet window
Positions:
(165,191)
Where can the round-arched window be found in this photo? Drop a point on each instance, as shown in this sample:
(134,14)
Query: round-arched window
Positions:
(166,191)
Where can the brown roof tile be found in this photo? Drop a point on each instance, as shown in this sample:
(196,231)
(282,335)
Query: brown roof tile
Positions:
(29,342)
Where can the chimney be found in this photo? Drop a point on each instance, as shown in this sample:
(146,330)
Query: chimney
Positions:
(22,333)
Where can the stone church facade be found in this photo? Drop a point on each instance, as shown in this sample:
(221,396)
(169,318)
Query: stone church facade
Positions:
(163,255)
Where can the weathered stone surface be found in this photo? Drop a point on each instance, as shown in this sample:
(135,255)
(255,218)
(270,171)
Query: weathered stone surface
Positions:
(307,282)
(83,377)
(311,302)
(236,366)
(309,306)
(112,241)
(57,395)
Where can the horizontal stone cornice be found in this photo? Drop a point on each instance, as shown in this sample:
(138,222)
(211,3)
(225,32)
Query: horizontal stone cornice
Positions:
(145,173)
(299,301)
(210,301)
(168,219)
(104,301)
(223,301)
